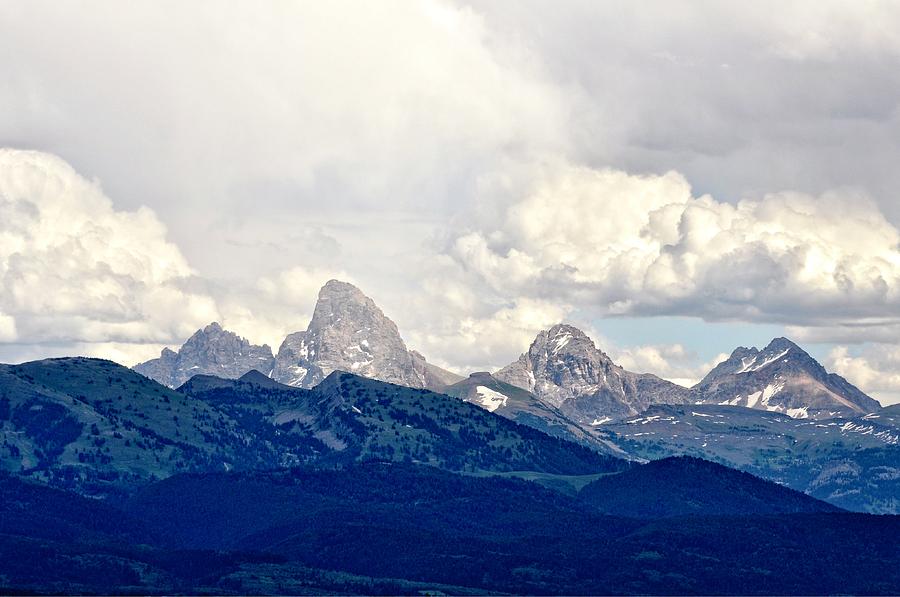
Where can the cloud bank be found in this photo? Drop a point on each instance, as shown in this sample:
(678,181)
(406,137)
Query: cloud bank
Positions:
(73,268)
(645,245)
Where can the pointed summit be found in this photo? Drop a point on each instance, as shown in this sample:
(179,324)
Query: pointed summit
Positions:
(210,351)
(564,368)
(348,332)
(567,338)
(781,343)
(344,290)
(784,378)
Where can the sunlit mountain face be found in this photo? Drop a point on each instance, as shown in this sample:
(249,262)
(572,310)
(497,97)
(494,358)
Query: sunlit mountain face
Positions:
(441,297)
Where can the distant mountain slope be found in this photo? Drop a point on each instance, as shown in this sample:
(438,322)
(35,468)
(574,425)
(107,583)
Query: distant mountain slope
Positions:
(348,332)
(852,463)
(523,407)
(681,486)
(210,351)
(892,411)
(565,370)
(359,418)
(101,429)
(784,378)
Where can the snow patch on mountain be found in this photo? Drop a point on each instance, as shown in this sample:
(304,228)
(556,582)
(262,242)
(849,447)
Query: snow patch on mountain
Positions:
(490,399)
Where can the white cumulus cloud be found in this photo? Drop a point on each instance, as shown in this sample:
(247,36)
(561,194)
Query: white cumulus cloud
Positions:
(673,362)
(875,369)
(74,269)
(620,243)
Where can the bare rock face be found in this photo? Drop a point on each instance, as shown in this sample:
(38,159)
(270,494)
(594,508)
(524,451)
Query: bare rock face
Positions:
(564,369)
(210,351)
(783,378)
(348,332)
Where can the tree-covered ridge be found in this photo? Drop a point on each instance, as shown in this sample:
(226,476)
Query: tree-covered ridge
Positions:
(99,428)
(356,418)
(395,528)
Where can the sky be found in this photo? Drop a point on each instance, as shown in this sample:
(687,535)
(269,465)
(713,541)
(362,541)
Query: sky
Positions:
(676,178)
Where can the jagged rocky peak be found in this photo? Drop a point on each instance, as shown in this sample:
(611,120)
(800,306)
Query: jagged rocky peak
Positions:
(564,368)
(348,332)
(782,377)
(561,338)
(745,360)
(210,351)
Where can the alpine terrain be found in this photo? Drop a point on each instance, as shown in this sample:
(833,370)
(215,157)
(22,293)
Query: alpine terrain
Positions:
(783,378)
(564,369)
(210,351)
(348,332)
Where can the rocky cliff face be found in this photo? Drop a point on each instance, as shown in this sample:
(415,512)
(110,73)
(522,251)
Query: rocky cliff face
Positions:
(566,370)
(782,378)
(210,351)
(348,332)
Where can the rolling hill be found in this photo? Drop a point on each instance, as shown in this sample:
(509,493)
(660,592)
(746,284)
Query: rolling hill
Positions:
(683,486)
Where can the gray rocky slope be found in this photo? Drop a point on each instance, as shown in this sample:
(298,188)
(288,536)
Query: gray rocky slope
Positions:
(210,351)
(520,405)
(564,369)
(782,377)
(348,332)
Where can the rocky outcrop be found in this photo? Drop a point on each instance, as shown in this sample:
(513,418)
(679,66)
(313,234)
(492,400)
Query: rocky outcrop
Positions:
(210,351)
(564,369)
(348,332)
(784,378)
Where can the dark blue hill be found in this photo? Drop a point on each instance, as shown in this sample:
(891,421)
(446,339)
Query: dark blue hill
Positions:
(687,486)
(389,520)
(393,528)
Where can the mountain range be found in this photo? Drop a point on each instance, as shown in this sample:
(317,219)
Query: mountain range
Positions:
(567,380)
(380,528)
(347,332)
(774,412)
(112,483)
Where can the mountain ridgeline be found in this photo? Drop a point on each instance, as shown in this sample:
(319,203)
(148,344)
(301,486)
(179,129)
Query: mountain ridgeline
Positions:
(782,378)
(774,412)
(98,428)
(565,369)
(210,351)
(112,483)
(357,418)
(568,382)
(347,332)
